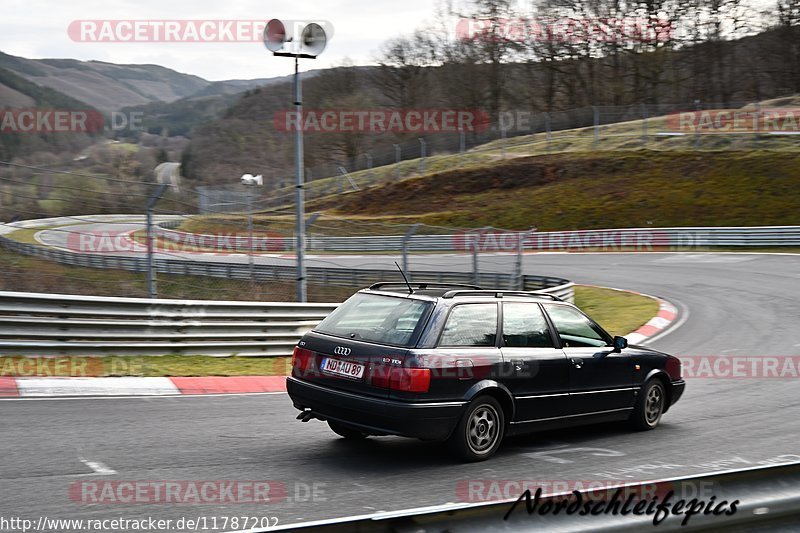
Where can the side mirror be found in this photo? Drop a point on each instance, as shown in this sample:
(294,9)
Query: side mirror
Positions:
(620,343)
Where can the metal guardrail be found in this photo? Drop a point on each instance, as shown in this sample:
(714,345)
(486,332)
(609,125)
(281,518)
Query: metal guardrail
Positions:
(499,240)
(343,277)
(767,498)
(54,324)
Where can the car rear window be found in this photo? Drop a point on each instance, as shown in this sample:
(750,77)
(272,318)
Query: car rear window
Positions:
(377,318)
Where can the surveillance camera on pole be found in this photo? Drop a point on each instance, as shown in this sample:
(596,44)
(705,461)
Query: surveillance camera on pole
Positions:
(310,43)
(249,179)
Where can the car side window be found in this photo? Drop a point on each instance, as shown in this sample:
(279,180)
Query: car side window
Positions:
(524,326)
(574,328)
(471,325)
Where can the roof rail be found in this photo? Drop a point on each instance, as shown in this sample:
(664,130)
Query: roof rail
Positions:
(422,285)
(497,293)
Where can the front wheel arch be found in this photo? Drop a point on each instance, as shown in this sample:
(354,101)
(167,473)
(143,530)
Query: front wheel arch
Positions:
(639,417)
(662,376)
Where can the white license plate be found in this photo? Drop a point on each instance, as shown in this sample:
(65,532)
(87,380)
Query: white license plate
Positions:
(346,369)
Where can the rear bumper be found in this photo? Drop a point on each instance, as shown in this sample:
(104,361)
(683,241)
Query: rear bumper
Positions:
(375,416)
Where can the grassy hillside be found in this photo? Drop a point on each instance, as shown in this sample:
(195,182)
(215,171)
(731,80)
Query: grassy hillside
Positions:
(595,190)
(654,133)
(565,192)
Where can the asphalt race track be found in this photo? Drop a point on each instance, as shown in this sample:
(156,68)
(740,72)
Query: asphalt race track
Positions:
(730,304)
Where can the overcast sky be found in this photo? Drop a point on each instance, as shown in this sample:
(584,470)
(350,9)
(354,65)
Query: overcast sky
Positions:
(38,29)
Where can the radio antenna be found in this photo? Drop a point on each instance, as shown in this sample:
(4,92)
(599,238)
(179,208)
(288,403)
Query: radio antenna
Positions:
(410,290)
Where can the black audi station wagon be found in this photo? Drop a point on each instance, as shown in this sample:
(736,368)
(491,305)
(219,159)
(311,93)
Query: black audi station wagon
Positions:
(469,366)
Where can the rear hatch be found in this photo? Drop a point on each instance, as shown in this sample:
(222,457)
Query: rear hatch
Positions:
(356,347)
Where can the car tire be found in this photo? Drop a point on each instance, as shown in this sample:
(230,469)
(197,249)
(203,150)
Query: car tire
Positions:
(649,406)
(480,431)
(346,432)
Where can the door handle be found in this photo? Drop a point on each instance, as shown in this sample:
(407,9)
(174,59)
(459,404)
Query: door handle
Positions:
(577,363)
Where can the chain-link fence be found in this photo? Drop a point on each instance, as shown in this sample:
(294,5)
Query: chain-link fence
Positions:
(773,125)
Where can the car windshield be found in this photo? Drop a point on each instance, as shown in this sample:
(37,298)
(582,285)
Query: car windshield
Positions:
(377,318)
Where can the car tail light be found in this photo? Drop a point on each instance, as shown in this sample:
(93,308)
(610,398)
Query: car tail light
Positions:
(410,379)
(674,368)
(381,376)
(402,379)
(302,360)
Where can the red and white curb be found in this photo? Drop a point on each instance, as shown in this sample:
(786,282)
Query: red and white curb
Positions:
(666,317)
(38,387)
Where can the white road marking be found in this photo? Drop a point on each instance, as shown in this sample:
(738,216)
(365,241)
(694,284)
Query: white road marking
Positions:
(122,386)
(98,467)
(705,258)
(549,455)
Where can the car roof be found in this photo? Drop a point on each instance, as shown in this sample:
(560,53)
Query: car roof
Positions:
(434,291)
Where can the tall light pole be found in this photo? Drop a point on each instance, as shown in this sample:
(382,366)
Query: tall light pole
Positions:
(167,175)
(312,42)
(248,180)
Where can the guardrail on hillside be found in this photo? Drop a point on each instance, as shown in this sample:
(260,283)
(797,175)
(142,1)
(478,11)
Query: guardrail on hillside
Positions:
(343,277)
(488,240)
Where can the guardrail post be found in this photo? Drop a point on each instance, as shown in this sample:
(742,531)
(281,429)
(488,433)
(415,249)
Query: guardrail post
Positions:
(151,270)
(547,129)
(369,165)
(462,148)
(475,274)
(596,113)
(515,283)
(250,258)
(696,129)
(644,124)
(502,139)
(406,239)
(757,121)
(397,158)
